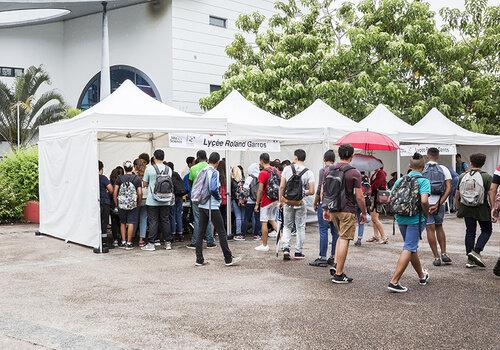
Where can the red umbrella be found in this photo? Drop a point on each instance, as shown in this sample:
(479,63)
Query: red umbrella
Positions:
(369,141)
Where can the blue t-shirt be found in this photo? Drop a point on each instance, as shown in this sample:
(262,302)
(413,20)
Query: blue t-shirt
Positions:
(103,192)
(150,178)
(424,188)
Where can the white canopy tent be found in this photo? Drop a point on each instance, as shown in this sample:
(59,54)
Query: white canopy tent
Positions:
(123,125)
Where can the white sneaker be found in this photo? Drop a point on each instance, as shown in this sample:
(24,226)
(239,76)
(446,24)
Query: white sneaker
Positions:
(115,243)
(235,261)
(262,248)
(168,246)
(272,234)
(150,247)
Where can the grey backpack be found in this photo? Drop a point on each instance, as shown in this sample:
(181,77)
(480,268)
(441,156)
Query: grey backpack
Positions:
(163,191)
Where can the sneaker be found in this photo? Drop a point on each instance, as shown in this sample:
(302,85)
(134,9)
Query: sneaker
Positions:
(141,243)
(239,238)
(123,245)
(436,262)
(299,256)
(470,264)
(331,261)
(445,259)
(396,288)
(425,280)
(318,263)
(358,243)
(115,243)
(256,238)
(476,257)
(272,234)
(262,248)
(333,269)
(286,254)
(129,246)
(180,238)
(201,264)
(233,262)
(150,247)
(211,245)
(191,246)
(496,269)
(168,246)
(157,243)
(294,233)
(342,279)
(229,238)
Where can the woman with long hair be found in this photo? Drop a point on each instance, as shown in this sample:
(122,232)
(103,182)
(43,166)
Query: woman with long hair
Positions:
(115,219)
(139,169)
(237,204)
(378,182)
(221,168)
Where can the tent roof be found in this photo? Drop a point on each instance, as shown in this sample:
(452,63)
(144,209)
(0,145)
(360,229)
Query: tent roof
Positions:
(129,109)
(320,114)
(381,119)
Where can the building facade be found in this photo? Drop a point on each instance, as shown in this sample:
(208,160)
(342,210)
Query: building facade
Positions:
(174,50)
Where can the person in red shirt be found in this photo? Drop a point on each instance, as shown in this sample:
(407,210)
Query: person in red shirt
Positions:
(377,182)
(268,207)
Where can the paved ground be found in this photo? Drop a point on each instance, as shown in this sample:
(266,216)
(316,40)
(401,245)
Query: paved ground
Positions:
(62,296)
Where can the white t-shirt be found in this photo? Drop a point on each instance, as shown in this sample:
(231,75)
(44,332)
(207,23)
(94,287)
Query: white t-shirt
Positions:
(434,198)
(307,177)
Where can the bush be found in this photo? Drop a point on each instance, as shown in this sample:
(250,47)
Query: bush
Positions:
(18,183)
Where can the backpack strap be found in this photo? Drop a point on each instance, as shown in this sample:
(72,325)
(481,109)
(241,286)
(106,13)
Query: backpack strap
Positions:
(156,169)
(303,172)
(294,171)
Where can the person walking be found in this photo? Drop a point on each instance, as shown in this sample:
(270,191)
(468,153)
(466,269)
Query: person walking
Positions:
(158,173)
(297,182)
(324,225)
(201,163)
(440,178)
(267,198)
(209,211)
(495,210)
(366,188)
(377,183)
(250,215)
(341,191)
(410,203)
(238,201)
(474,200)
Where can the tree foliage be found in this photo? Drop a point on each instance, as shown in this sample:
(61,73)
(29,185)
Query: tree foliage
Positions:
(33,110)
(355,57)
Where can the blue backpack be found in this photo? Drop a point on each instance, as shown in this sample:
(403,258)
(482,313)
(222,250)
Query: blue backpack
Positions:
(436,177)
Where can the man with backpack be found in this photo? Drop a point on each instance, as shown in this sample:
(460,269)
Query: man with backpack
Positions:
(201,163)
(460,166)
(440,179)
(128,197)
(206,192)
(175,218)
(267,198)
(473,200)
(160,200)
(297,182)
(324,225)
(410,203)
(495,210)
(251,188)
(341,191)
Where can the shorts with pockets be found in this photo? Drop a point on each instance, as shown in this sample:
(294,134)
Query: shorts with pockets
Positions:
(345,224)
(268,213)
(128,216)
(411,236)
(437,218)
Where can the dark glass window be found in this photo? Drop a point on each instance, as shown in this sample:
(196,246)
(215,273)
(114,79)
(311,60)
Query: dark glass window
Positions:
(92,91)
(217,21)
(214,87)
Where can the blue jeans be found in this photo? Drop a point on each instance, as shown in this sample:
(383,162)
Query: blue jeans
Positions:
(176,217)
(361,227)
(323,234)
(209,233)
(250,214)
(238,214)
(143,221)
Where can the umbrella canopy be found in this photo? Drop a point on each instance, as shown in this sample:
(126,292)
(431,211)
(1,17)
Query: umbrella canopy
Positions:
(366,163)
(369,141)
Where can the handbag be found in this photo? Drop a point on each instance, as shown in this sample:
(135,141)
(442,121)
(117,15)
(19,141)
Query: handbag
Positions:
(383,196)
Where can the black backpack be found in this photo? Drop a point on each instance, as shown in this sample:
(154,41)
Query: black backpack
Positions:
(334,188)
(179,189)
(294,189)
(254,187)
(273,184)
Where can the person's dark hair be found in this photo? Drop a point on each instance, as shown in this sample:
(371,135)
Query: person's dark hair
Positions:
(242,172)
(201,155)
(433,152)
(222,171)
(100,165)
(189,160)
(300,154)
(159,154)
(329,156)
(214,157)
(152,161)
(140,167)
(477,160)
(170,165)
(458,155)
(264,157)
(118,171)
(394,173)
(285,163)
(417,161)
(145,157)
(346,151)
(128,166)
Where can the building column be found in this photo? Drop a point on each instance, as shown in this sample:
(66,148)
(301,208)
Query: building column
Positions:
(105,73)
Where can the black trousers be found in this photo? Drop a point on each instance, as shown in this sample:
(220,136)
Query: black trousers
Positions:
(158,221)
(470,234)
(218,223)
(115,226)
(104,221)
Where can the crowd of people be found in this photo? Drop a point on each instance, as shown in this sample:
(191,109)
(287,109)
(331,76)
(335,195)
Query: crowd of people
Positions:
(146,200)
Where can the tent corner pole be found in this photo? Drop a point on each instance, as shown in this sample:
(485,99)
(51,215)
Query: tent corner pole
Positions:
(98,194)
(398,162)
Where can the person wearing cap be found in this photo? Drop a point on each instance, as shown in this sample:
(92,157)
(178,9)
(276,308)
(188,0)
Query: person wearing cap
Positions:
(128,217)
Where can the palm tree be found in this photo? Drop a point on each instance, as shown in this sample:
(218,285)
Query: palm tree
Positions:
(33,112)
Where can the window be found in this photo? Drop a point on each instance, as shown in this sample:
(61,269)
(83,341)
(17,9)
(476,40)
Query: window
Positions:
(10,72)
(218,21)
(92,92)
(214,87)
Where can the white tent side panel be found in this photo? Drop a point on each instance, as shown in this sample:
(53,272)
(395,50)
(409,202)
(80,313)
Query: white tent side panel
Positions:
(69,188)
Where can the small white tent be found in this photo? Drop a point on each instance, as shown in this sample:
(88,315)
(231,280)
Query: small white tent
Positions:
(121,126)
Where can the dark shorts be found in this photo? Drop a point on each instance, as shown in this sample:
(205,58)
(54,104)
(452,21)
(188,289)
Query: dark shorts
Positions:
(129,216)
(437,218)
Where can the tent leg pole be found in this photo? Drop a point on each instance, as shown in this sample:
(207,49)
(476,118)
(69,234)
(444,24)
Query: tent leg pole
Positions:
(398,163)
(228,194)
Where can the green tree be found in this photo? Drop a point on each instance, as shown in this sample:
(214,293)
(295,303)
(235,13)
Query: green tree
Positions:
(33,110)
(355,57)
